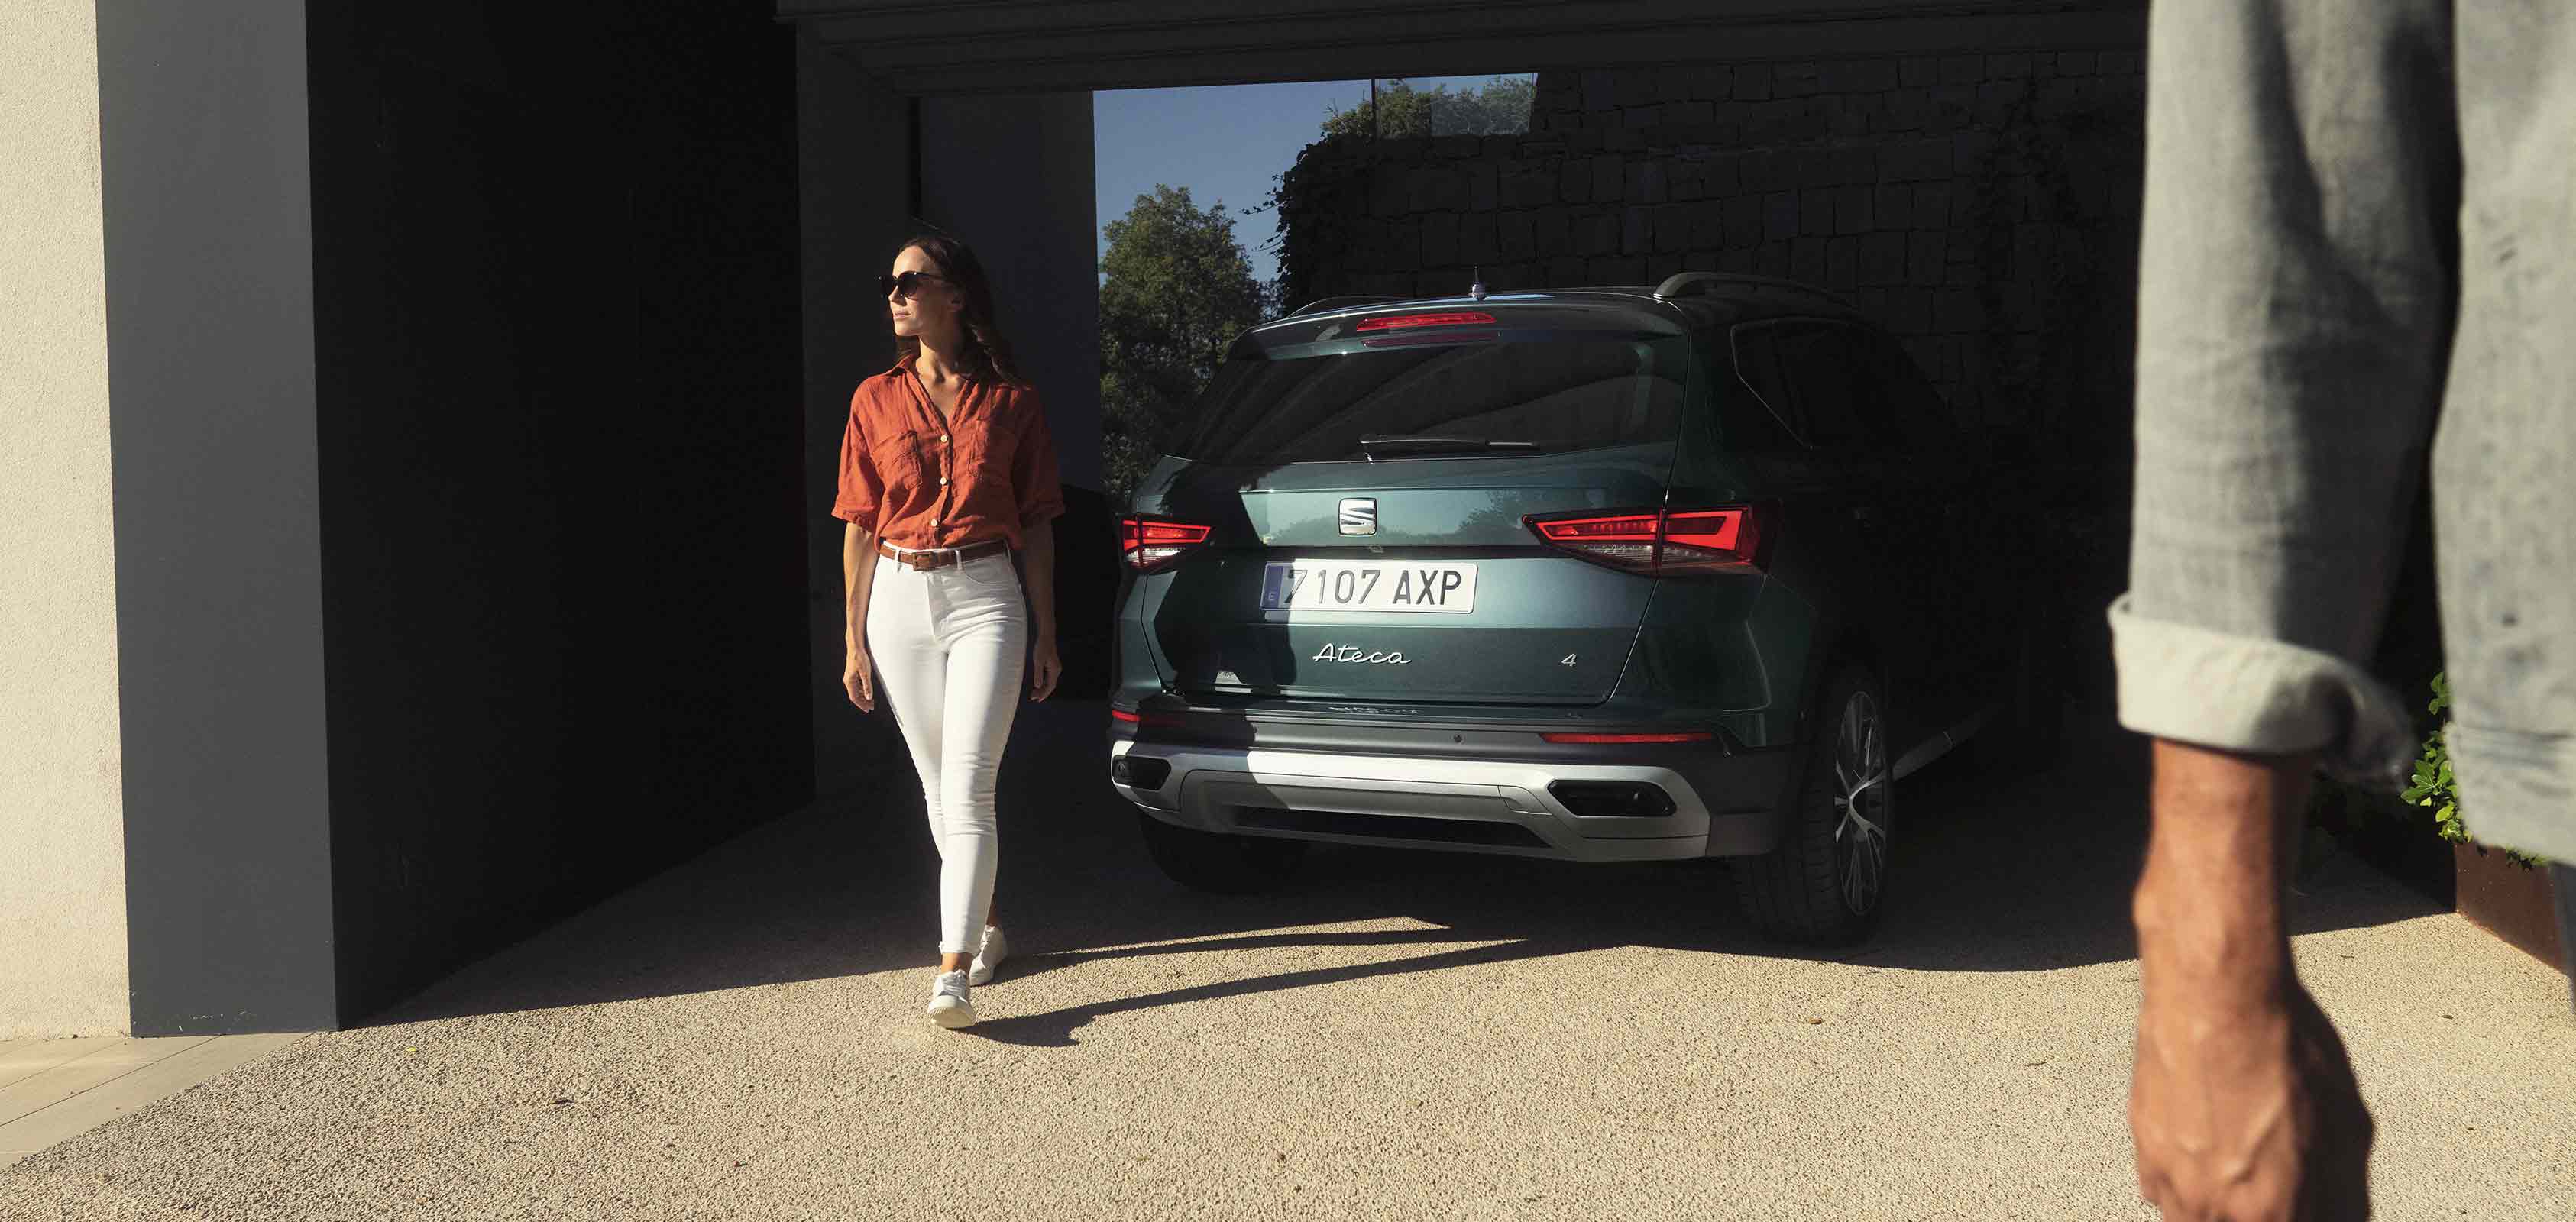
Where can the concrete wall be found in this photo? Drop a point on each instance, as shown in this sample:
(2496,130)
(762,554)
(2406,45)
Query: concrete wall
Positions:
(62,870)
(1011,175)
(207,198)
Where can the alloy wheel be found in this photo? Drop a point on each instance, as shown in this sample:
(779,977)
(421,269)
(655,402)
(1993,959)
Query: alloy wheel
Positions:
(1866,802)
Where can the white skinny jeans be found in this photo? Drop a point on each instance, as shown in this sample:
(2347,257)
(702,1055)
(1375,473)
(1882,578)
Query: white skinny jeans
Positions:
(950,646)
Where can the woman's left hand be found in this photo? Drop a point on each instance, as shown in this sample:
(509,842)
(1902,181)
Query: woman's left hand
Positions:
(1044,669)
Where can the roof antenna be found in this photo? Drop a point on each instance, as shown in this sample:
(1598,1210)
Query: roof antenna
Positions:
(1477,290)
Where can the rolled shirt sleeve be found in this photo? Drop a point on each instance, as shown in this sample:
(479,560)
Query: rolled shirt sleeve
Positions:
(860,489)
(2295,289)
(1036,480)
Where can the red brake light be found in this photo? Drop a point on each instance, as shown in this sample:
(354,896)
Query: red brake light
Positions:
(1461,318)
(1693,736)
(1151,543)
(1666,541)
(1726,538)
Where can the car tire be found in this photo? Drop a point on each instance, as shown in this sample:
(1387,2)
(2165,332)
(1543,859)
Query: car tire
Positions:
(1826,882)
(1218,863)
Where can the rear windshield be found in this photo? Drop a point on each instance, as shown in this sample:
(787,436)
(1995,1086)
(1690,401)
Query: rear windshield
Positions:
(1320,402)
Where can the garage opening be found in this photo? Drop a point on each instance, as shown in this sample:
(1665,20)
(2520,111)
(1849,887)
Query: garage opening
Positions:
(591,288)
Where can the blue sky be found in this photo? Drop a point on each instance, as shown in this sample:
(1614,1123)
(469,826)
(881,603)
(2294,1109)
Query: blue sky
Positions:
(1223,142)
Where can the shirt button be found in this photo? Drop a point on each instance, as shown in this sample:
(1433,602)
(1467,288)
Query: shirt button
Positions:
(943,439)
(943,481)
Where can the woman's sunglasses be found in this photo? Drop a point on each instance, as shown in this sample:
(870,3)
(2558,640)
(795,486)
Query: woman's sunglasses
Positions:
(907,284)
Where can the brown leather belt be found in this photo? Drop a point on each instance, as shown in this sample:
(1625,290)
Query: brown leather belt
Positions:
(940,558)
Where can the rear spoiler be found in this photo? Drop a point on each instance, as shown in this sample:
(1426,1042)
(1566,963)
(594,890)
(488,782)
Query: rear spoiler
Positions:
(1683,283)
(1323,304)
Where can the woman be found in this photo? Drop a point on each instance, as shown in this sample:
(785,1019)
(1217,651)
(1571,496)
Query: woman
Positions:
(947,469)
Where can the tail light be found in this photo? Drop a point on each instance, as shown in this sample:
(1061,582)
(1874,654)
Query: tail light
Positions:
(1454,318)
(1661,542)
(1152,543)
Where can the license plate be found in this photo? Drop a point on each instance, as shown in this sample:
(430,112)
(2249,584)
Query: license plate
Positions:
(1335,586)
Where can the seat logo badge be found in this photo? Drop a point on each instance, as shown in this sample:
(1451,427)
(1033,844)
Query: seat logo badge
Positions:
(1359,515)
(1353,653)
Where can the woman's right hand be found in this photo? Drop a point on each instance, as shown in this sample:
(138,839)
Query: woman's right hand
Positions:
(858,678)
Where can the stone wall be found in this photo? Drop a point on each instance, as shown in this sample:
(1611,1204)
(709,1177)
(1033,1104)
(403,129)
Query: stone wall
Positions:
(1983,207)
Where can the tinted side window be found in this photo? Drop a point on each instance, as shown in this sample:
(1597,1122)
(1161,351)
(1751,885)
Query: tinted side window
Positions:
(1819,379)
(1838,392)
(1744,423)
(1757,365)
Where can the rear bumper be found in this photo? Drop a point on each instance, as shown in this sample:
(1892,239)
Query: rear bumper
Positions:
(1722,804)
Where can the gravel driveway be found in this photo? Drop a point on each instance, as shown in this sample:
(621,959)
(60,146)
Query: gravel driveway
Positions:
(1400,1036)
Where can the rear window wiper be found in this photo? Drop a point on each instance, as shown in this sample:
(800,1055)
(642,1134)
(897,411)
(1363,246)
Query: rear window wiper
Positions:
(1432,443)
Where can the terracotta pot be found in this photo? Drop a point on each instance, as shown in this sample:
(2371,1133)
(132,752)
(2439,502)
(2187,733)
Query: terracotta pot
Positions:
(2509,901)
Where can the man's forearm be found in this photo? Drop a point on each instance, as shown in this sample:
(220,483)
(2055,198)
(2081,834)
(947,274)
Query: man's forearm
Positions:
(2209,904)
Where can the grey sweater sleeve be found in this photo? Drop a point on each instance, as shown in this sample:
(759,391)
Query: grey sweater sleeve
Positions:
(2295,299)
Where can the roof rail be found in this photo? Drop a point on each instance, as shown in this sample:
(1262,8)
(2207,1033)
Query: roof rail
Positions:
(1694,282)
(1337,303)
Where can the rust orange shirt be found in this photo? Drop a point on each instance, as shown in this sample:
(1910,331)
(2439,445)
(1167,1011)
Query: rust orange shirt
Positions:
(986,472)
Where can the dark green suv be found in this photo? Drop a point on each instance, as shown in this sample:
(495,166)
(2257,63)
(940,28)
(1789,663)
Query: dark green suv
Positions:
(1612,574)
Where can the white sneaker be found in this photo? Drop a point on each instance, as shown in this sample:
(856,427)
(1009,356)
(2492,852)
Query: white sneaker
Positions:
(952,1004)
(996,948)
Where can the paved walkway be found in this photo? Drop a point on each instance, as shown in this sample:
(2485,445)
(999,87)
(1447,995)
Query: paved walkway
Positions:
(1400,1036)
(53,1090)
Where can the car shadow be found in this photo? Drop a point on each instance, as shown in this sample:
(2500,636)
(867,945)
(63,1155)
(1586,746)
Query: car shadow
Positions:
(2029,874)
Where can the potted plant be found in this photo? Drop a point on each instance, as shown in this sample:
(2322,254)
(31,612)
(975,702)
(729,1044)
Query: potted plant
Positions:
(2500,889)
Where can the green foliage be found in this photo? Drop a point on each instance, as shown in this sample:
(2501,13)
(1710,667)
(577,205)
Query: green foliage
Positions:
(1312,221)
(1499,107)
(2433,789)
(1175,290)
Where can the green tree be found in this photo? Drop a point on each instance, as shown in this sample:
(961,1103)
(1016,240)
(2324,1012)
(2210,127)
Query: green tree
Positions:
(1500,106)
(1175,290)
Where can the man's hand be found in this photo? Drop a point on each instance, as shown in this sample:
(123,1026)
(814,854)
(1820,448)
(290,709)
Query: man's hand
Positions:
(2248,1115)
(858,678)
(1044,669)
(2243,1105)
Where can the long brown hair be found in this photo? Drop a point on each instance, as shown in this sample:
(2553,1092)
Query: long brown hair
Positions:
(987,356)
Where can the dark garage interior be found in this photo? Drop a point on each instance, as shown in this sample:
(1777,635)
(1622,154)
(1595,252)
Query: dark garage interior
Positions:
(562,556)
